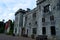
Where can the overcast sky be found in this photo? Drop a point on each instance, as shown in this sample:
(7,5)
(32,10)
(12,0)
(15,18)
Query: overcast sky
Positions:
(9,7)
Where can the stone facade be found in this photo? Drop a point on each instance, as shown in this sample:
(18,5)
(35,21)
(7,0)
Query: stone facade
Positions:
(49,11)
(43,20)
(18,21)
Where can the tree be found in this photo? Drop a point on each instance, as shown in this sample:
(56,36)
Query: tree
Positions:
(2,27)
(11,27)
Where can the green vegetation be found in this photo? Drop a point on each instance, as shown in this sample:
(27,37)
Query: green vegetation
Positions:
(11,28)
(32,36)
(2,27)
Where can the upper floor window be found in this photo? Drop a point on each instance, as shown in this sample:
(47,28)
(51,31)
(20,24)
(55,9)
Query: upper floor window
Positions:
(36,22)
(34,15)
(16,18)
(43,19)
(53,31)
(52,17)
(29,23)
(29,17)
(58,5)
(46,8)
(25,18)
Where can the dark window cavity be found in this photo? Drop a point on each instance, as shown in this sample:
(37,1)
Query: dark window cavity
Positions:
(29,23)
(36,22)
(43,19)
(34,15)
(46,8)
(58,5)
(34,30)
(43,30)
(15,30)
(53,31)
(52,17)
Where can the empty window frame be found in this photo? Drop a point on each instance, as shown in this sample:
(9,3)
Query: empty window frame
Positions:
(34,15)
(34,30)
(15,30)
(29,23)
(43,30)
(53,31)
(52,17)
(58,5)
(46,8)
(43,19)
(35,22)
(26,18)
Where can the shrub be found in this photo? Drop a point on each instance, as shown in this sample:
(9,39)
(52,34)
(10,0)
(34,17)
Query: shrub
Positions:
(32,36)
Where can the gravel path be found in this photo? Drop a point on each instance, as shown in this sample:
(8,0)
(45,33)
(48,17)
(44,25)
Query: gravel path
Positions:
(8,37)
